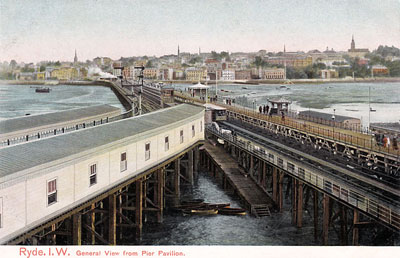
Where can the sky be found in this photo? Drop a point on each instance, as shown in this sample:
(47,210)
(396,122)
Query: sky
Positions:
(35,30)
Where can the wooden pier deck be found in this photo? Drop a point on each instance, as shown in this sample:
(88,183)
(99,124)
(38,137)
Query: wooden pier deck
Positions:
(255,198)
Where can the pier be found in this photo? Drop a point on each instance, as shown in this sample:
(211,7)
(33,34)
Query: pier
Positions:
(222,165)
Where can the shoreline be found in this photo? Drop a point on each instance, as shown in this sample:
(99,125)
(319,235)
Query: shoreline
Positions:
(212,82)
(294,81)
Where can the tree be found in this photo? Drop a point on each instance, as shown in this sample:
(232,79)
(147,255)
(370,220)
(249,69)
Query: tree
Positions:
(13,64)
(149,64)
(394,68)
(258,61)
(195,60)
(42,68)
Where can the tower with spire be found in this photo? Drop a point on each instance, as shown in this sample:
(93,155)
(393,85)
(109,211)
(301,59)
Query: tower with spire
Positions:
(178,50)
(353,44)
(75,58)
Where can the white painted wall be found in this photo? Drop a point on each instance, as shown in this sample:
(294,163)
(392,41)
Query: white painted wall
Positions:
(73,185)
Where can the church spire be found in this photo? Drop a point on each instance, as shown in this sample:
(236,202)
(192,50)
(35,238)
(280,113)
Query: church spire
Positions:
(353,44)
(178,50)
(75,58)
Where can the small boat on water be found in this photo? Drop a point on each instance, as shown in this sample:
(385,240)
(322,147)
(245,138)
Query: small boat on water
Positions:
(201,211)
(189,206)
(231,211)
(42,90)
(244,88)
(372,110)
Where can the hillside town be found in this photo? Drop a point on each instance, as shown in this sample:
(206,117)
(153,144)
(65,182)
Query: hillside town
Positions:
(223,66)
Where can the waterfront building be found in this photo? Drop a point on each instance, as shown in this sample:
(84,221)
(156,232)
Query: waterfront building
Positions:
(166,74)
(273,74)
(25,76)
(117,68)
(228,75)
(196,74)
(64,73)
(295,60)
(150,73)
(379,70)
(356,52)
(40,75)
(243,74)
(129,72)
(178,74)
(329,73)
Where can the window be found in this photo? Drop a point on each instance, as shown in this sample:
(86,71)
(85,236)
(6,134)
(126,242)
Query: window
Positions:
(166,146)
(1,212)
(201,126)
(51,191)
(193,131)
(301,173)
(181,136)
(147,153)
(280,162)
(290,167)
(123,165)
(93,174)
(271,156)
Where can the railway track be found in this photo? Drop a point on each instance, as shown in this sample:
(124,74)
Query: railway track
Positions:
(387,191)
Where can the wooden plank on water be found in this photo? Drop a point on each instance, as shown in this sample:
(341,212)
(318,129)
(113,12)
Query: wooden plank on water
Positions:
(244,185)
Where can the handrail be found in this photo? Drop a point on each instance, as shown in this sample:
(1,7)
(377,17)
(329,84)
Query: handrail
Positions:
(332,134)
(368,205)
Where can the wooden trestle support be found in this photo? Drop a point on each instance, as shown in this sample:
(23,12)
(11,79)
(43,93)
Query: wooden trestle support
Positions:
(117,216)
(334,222)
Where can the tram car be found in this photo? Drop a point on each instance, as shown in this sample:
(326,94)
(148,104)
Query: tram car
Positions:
(167,95)
(214,113)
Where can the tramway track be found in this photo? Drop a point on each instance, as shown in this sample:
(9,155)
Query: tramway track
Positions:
(387,191)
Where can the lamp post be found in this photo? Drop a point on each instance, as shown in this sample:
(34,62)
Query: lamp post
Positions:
(333,124)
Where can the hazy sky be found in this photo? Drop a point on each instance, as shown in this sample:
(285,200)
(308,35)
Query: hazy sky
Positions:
(34,30)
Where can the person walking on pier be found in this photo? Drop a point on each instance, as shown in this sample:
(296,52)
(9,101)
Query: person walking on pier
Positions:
(260,109)
(395,143)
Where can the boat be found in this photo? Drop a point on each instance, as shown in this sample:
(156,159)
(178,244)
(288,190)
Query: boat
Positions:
(42,90)
(201,211)
(244,88)
(372,110)
(232,211)
(201,205)
(216,205)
